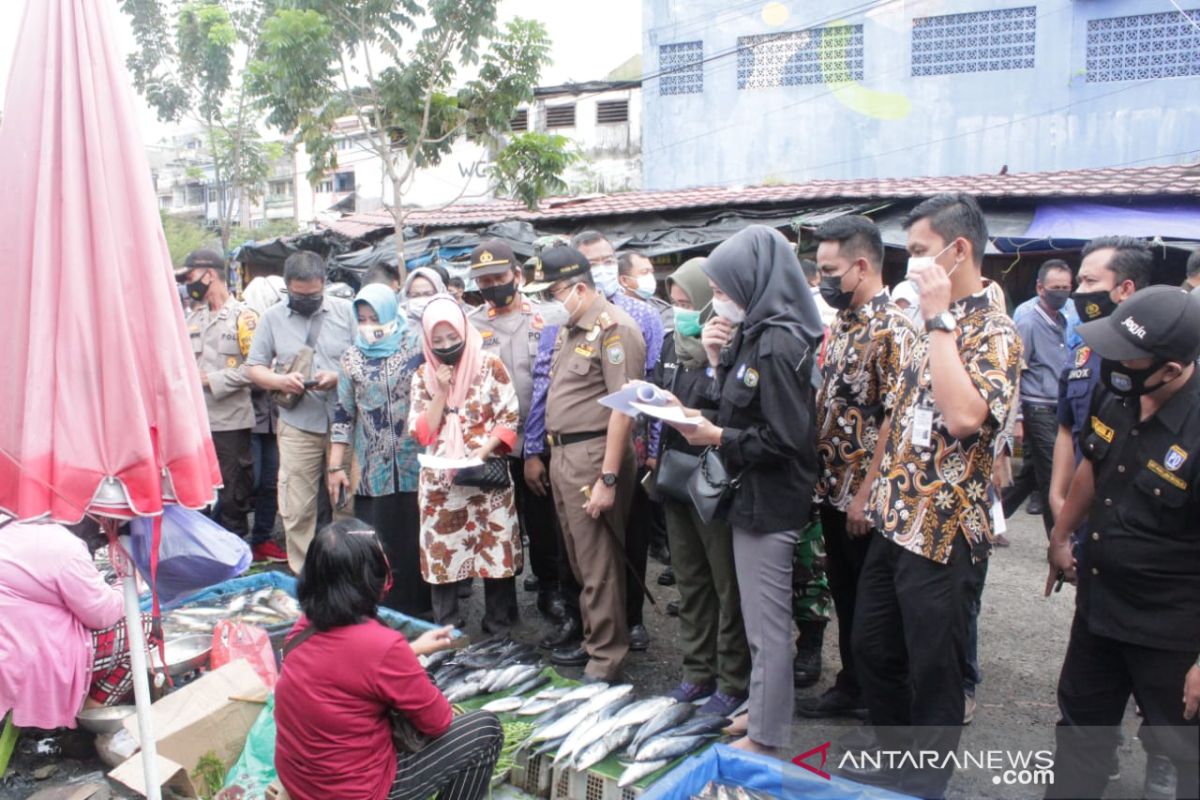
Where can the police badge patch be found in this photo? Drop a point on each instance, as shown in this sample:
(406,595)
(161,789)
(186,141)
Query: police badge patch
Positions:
(615,354)
(1175,458)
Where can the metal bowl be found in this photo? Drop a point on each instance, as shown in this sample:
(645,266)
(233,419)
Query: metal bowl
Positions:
(187,654)
(104,720)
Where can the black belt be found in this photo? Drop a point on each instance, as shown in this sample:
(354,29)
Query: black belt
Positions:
(562,439)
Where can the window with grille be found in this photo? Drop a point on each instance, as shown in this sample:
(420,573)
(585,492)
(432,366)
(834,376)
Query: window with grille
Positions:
(1143,47)
(610,111)
(343,182)
(325,187)
(279,189)
(681,67)
(561,116)
(520,120)
(797,58)
(982,41)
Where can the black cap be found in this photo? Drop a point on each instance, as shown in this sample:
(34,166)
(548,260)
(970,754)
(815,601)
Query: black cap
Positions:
(1156,322)
(204,258)
(492,258)
(558,264)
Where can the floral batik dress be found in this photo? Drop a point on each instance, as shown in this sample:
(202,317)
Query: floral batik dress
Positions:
(468,532)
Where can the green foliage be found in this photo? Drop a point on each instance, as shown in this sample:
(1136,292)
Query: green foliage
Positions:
(209,775)
(184,236)
(530,167)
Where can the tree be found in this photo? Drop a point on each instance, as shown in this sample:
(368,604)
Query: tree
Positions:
(184,236)
(190,62)
(322,60)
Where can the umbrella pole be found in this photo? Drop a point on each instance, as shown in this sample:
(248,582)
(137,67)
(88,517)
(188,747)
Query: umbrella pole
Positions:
(141,686)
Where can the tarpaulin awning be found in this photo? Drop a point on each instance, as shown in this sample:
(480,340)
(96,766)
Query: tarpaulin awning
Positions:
(1002,223)
(1084,221)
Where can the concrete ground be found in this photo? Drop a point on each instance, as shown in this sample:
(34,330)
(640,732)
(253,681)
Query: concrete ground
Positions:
(1022,641)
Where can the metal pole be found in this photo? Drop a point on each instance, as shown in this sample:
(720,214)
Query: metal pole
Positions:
(141,684)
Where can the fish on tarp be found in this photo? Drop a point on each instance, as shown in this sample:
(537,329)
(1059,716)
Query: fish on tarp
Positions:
(669,717)
(720,790)
(615,738)
(283,604)
(671,747)
(585,692)
(564,725)
(508,677)
(556,709)
(638,770)
(701,724)
(592,728)
(642,710)
(536,682)
(504,705)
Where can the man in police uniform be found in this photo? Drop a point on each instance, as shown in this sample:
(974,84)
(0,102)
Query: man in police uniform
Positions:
(512,329)
(221,330)
(592,467)
(1137,615)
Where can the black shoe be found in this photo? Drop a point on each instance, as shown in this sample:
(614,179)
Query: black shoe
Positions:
(639,638)
(465,588)
(870,775)
(833,703)
(551,605)
(1161,780)
(667,578)
(806,669)
(570,657)
(673,608)
(1036,505)
(531,583)
(661,553)
(567,633)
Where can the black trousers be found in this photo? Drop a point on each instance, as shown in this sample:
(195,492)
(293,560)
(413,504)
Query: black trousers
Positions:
(396,519)
(1041,429)
(844,559)
(539,523)
(235,456)
(455,766)
(638,531)
(910,648)
(499,602)
(1098,676)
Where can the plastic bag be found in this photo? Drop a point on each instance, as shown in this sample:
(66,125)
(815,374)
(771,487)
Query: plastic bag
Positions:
(234,639)
(255,768)
(194,553)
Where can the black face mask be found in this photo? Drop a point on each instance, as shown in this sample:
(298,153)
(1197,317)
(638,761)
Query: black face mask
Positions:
(197,290)
(1125,382)
(450,355)
(500,296)
(1057,298)
(1092,306)
(833,293)
(305,305)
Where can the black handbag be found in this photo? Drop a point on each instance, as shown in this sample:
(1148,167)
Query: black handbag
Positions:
(675,469)
(710,487)
(491,475)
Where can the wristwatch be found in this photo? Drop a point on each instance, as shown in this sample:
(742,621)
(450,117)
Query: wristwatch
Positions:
(942,322)
(609,478)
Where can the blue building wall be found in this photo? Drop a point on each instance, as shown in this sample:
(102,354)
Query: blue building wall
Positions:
(894,124)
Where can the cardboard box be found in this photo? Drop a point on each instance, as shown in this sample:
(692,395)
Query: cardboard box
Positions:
(210,715)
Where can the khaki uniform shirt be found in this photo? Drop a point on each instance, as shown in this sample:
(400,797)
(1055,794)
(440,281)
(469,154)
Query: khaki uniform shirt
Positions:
(514,338)
(596,356)
(221,342)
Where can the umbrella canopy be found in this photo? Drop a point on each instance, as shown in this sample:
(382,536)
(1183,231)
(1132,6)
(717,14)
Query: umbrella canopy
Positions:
(102,405)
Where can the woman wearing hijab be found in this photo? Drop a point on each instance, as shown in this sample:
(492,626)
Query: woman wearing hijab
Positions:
(372,414)
(464,405)
(761,343)
(716,658)
(420,286)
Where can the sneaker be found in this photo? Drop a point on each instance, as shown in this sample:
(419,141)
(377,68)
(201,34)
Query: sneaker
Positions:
(270,552)
(724,705)
(688,692)
(968,709)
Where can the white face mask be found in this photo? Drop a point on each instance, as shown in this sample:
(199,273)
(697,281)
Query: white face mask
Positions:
(553,312)
(416,306)
(923,262)
(729,310)
(606,279)
(646,286)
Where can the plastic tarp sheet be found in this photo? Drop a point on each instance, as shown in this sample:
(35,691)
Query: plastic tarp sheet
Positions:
(1003,223)
(1083,221)
(769,775)
(195,552)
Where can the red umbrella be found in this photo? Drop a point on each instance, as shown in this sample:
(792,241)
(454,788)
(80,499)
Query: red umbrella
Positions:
(102,406)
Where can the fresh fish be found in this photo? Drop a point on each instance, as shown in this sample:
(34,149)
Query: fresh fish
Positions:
(701,724)
(613,740)
(528,685)
(592,728)
(638,770)
(261,595)
(549,747)
(464,691)
(200,612)
(283,604)
(536,706)
(503,705)
(670,747)
(556,710)
(585,692)
(434,660)
(641,711)
(666,719)
(238,603)
(552,693)
(508,677)
(564,725)
(595,736)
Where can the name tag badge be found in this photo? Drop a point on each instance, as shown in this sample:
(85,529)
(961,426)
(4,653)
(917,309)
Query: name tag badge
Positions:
(922,430)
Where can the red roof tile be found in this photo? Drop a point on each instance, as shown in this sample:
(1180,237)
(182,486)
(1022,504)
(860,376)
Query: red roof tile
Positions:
(1119,182)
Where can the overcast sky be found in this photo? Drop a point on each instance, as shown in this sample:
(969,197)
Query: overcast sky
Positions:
(590,39)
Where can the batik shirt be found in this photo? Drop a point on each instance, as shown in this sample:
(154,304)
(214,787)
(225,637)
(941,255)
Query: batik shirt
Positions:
(927,495)
(866,349)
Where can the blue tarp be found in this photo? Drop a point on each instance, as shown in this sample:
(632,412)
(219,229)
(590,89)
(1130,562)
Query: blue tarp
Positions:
(1070,225)
(769,775)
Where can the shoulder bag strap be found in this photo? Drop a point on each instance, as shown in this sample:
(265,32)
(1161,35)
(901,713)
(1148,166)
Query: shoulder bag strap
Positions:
(298,640)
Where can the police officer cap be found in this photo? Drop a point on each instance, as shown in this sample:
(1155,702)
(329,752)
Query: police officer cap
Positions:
(558,263)
(1156,322)
(204,258)
(492,258)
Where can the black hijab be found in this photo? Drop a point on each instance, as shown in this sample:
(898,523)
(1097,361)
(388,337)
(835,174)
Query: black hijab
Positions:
(759,271)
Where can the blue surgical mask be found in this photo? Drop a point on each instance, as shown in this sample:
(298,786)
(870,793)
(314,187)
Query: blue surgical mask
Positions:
(606,279)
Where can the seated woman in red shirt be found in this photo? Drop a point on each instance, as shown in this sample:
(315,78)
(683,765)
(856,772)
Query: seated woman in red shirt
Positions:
(339,684)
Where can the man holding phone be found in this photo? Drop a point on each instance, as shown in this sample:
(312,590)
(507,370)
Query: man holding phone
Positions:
(329,323)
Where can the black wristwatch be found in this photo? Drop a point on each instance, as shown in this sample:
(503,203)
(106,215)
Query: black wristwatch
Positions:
(944,321)
(609,478)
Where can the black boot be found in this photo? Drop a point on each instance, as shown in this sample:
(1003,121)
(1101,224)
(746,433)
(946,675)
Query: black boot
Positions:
(806,669)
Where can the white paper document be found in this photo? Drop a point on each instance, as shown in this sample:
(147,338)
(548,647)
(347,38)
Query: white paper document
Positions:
(672,415)
(443,463)
(636,392)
